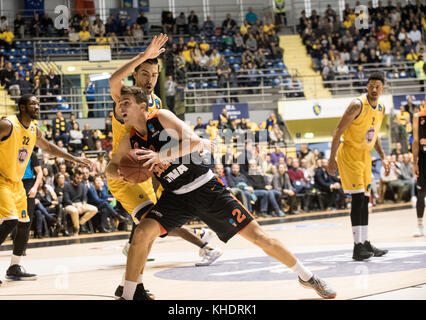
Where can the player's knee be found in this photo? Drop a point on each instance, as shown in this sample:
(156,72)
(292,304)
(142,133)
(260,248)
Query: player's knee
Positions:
(145,232)
(261,239)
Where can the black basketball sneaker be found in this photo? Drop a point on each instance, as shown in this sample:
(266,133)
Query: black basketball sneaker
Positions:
(377,252)
(361,253)
(140,293)
(18,273)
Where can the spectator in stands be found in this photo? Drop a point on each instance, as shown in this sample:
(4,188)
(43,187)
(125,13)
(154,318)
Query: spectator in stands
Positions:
(14,89)
(193,23)
(215,58)
(129,40)
(6,38)
(89,91)
(55,82)
(170,85)
(98,197)
(329,185)
(209,27)
(391,181)
(181,26)
(251,43)
(237,180)
(46,23)
(283,190)
(251,16)
(143,22)
(229,26)
(76,139)
(295,87)
(168,23)
(276,155)
(84,34)
(75,203)
(73,36)
(110,26)
(18,26)
(260,58)
(276,51)
(35,25)
(203,61)
(415,35)
(257,184)
(98,29)
(407,176)
(307,154)
(297,177)
(137,33)
(36,88)
(276,136)
(60,129)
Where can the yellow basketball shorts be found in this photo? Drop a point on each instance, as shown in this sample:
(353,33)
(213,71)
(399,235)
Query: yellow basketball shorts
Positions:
(354,169)
(13,201)
(133,197)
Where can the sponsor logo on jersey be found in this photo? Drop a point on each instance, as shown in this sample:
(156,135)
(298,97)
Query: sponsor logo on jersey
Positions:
(176,173)
(370,135)
(157,213)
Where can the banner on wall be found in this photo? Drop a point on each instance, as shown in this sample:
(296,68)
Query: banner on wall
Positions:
(402,99)
(235,110)
(142,5)
(83,7)
(34,6)
(321,109)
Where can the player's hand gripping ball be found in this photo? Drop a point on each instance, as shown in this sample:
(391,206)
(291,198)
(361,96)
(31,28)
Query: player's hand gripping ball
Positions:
(132,169)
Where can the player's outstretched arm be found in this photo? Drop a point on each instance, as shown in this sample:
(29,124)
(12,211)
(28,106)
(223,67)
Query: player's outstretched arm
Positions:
(415,145)
(112,171)
(352,111)
(152,51)
(55,151)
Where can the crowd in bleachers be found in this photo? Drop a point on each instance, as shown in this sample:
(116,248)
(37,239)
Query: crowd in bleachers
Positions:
(393,39)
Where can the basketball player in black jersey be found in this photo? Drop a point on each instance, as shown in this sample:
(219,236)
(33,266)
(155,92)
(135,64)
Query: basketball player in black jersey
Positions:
(174,153)
(419,166)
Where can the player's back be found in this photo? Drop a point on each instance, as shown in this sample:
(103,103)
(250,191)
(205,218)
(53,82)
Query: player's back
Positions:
(16,149)
(364,130)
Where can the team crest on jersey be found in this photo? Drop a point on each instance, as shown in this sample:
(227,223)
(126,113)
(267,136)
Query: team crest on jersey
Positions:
(370,135)
(157,103)
(380,107)
(317,109)
(22,155)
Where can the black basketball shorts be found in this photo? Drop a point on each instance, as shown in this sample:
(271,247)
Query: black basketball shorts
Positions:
(211,203)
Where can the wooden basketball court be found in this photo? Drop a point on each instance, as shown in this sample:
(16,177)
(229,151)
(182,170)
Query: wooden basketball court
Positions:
(92,270)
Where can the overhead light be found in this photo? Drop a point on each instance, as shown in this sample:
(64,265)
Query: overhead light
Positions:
(71,68)
(309,135)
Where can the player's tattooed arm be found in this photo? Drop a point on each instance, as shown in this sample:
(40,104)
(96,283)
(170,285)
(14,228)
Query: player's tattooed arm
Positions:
(5,129)
(352,111)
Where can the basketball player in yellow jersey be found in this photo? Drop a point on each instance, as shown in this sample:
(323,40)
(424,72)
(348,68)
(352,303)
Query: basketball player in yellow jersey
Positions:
(18,136)
(133,197)
(359,127)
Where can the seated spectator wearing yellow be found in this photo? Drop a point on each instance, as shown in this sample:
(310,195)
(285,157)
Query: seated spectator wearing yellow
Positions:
(245,27)
(188,54)
(403,118)
(102,39)
(212,129)
(412,56)
(191,43)
(385,44)
(347,23)
(204,45)
(7,36)
(268,28)
(214,58)
(422,105)
(84,35)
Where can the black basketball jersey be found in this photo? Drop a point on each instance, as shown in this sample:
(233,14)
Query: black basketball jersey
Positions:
(182,175)
(422,133)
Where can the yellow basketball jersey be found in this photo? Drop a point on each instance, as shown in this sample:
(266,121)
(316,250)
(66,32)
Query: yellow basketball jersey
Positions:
(16,149)
(119,129)
(363,131)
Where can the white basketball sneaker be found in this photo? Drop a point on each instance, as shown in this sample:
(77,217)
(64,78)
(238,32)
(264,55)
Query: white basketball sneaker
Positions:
(209,255)
(418,232)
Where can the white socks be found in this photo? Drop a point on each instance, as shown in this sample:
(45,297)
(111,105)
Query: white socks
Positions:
(301,271)
(15,260)
(129,289)
(123,279)
(420,222)
(360,234)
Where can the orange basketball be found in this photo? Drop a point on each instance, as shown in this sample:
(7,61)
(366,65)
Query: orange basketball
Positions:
(132,169)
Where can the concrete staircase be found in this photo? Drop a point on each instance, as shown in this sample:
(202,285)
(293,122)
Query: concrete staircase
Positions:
(7,105)
(300,63)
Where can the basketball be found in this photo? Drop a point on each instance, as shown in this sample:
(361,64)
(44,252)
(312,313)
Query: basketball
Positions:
(132,169)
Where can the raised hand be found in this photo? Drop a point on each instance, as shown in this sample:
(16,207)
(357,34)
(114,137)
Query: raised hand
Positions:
(155,47)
